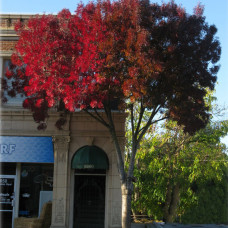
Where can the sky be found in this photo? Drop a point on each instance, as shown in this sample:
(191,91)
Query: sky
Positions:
(216,12)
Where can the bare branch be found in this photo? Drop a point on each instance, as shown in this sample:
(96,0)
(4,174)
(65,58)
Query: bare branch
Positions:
(142,109)
(97,117)
(132,121)
(148,124)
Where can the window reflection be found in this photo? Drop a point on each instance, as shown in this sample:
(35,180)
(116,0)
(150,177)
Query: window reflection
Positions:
(35,179)
(12,94)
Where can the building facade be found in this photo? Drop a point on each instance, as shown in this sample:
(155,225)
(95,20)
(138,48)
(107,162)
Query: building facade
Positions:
(75,168)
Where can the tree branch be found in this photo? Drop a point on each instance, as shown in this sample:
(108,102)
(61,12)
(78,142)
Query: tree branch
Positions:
(132,121)
(116,142)
(166,117)
(148,124)
(142,109)
(97,117)
(134,137)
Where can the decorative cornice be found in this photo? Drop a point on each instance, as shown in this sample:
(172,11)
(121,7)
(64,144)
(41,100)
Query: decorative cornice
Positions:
(7,53)
(94,133)
(16,16)
(7,31)
(9,38)
(33,132)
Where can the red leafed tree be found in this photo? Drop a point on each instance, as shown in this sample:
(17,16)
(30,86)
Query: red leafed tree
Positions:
(154,57)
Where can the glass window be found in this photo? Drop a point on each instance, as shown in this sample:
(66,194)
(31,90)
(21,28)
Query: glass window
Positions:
(35,179)
(7,87)
(7,168)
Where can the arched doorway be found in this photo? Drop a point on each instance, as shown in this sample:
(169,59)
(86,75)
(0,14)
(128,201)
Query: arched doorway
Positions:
(90,164)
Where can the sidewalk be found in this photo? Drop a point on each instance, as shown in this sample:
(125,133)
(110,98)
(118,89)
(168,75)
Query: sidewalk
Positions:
(175,225)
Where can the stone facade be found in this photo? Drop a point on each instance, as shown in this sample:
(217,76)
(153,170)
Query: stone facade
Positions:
(80,130)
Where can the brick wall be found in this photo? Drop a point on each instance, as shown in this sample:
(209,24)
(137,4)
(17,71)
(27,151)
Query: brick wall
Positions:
(8,36)
(9,21)
(7,45)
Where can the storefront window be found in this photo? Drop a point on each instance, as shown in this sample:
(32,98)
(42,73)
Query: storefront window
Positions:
(7,168)
(36,187)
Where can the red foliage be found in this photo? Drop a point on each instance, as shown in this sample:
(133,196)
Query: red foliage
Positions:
(8,73)
(128,49)
(198,10)
(60,53)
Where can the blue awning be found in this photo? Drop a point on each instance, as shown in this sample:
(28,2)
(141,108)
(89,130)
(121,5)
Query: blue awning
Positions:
(26,149)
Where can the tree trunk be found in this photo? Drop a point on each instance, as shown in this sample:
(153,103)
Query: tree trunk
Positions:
(167,202)
(127,189)
(126,179)
(171,204)
(135,198)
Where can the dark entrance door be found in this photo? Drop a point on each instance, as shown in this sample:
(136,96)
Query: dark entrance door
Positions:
(89,201)
(6,200)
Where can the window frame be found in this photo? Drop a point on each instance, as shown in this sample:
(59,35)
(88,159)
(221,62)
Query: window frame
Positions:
(15,102)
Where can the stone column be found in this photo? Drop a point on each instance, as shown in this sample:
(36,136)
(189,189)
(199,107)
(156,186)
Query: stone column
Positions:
(59,213)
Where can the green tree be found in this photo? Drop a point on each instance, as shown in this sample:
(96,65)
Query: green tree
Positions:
(183,176)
